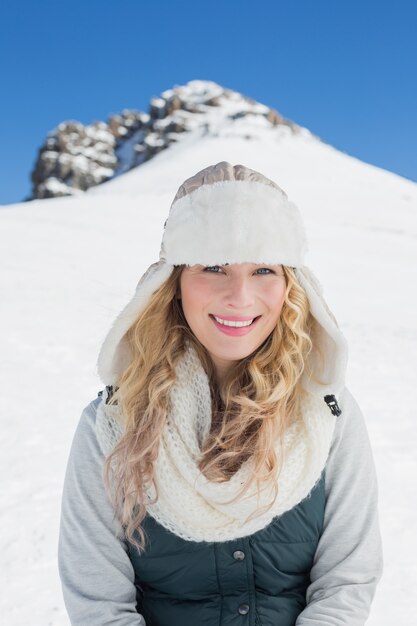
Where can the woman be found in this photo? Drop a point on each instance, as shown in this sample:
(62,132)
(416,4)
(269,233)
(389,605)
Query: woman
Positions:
(224,475)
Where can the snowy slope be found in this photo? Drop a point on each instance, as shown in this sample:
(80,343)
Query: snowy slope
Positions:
(70,264)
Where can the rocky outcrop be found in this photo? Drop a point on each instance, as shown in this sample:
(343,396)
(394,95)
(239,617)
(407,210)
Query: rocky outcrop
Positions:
(75,157)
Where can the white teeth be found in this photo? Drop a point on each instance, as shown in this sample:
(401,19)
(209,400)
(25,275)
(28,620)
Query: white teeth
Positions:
(230,323)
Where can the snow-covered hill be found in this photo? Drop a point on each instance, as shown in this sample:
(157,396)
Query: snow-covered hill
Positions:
(68,265)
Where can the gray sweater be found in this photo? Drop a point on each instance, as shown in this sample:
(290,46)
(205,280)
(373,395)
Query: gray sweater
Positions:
(97,575)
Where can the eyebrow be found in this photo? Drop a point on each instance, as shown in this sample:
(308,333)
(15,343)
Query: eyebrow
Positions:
(224,264)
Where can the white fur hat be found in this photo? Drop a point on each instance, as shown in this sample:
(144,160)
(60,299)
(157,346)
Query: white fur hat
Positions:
(232,214)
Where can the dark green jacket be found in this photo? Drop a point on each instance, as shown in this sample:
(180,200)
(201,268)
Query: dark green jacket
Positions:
(258,580)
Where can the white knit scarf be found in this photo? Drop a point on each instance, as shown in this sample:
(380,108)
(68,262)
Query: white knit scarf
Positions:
(196,509)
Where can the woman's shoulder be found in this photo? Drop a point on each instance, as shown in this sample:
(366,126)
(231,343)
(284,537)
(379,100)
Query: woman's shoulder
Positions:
(351,413)
(97,430)
(84,443)
(87,421)
(350,435)
(89,412)
(347,399)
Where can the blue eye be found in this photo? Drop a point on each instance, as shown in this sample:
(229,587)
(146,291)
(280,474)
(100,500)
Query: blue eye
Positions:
(210,267)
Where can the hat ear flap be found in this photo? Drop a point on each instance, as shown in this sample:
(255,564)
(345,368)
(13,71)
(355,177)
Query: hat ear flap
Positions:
(328,358)
(114,354)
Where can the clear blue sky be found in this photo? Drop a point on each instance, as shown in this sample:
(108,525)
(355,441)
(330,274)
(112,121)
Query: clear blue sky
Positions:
(344,69)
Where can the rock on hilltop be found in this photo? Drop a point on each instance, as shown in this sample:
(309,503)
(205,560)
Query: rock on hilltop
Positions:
(75,157)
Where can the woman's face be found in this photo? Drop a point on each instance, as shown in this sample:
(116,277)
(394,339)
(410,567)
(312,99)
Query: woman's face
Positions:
(238,292)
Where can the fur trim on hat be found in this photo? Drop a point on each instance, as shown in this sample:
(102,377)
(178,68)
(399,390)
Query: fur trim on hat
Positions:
(237,221)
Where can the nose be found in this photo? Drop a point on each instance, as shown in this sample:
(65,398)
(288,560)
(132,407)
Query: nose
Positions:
(239,294)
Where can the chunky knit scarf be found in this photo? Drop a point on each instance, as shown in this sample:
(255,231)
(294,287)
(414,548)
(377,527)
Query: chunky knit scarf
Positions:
(196,509)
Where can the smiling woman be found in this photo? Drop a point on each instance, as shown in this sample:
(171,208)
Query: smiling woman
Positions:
(225,470)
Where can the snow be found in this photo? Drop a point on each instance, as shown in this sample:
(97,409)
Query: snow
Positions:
(198,91)
(69,265)
(64,158)
(81,163)
(49,155)
(101,134)
(56,186)
(152,140)
(100,173)
(168,93)
(158,103)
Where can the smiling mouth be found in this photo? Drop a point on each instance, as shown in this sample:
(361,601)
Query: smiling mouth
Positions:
(234,324)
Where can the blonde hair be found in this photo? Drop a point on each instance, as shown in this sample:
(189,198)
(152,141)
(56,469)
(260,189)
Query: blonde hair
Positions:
(251,408)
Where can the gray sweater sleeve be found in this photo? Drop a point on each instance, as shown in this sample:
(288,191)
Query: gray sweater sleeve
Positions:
(97,576)
(348,563)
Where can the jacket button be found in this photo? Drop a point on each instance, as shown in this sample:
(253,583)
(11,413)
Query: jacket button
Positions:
(243,609)
(238,555)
